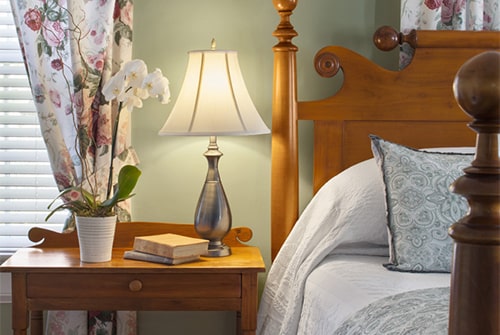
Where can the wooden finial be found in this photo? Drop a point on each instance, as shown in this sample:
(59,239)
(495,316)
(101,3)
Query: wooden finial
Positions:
(285,31)
(387,38)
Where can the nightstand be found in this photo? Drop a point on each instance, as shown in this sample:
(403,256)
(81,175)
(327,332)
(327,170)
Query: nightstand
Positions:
(51,277)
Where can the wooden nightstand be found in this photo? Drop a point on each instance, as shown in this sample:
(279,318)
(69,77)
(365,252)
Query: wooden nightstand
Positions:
(51,277)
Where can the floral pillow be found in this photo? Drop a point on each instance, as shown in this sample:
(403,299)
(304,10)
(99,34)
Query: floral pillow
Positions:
(420,206)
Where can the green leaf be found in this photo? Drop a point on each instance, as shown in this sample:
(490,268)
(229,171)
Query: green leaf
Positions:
(127,179)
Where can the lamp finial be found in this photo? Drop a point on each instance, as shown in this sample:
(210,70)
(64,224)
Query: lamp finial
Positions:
(213,44)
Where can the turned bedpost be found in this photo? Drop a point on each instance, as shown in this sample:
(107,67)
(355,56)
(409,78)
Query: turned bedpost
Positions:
(474,302)
(284,169)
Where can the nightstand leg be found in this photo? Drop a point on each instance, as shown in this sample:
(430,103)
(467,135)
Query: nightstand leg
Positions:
(19,304)
(36,324)
(247,319)
(238,323)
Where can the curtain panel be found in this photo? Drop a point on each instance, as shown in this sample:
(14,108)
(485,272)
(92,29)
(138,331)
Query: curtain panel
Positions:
(446,15)
(71,48)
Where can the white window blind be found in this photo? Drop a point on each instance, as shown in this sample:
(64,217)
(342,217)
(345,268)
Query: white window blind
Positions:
(26,182)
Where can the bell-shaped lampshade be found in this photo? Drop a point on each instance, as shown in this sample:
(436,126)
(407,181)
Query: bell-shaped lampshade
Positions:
(214,99)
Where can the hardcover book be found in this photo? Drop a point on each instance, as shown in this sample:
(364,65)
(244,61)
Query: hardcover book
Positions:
(142,256)
(171,245)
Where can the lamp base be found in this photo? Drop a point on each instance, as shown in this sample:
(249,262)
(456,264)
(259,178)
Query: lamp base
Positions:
(212,220)
(218,250)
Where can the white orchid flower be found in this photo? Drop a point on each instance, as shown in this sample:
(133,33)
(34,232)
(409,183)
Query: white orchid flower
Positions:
(115,87)
(157,86)
(132,84)
(140,93)
(132,101)
(135,71)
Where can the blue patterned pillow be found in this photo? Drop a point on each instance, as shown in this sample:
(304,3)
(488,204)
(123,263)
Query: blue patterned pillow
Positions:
(420,205)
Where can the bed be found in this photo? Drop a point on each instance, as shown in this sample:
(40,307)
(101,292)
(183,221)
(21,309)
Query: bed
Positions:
(372,253)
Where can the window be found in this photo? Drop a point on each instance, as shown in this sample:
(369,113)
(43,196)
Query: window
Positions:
(26,182)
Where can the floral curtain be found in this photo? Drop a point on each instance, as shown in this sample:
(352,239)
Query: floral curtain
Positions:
(72,47)
(447,15)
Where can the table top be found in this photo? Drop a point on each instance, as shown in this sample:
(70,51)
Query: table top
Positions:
(243,259)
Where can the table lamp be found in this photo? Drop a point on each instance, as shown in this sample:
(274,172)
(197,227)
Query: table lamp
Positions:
(213,101)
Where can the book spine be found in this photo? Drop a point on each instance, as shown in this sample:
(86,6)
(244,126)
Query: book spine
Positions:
(154,248)
(157,259)
(164,250)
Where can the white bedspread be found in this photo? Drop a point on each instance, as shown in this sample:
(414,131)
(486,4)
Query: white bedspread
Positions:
(344,284)
(329,223)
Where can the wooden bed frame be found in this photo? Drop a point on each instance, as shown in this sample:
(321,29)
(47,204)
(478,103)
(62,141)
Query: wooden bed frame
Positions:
(413,107)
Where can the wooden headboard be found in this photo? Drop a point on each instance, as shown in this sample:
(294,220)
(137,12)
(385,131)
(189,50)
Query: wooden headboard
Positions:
(414,106)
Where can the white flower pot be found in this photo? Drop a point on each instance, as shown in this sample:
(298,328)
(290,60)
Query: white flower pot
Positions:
(95,237)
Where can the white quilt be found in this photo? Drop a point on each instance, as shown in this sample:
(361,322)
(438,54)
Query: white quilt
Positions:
(342,285)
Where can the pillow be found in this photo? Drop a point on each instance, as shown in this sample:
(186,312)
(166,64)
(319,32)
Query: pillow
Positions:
(420,206)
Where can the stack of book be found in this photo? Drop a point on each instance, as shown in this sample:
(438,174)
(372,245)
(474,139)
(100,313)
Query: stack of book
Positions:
(167,249)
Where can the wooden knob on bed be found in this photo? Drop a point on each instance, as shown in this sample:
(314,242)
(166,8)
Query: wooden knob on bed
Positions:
(387,38)
(477,91)
(477,86)
(326,64)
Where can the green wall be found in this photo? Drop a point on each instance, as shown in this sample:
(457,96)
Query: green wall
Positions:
(174,167)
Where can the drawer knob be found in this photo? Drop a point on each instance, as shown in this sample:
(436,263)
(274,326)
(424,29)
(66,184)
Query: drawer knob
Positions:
(135,285)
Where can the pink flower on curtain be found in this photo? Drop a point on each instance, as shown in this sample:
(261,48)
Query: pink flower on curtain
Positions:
(97,61)
(53,32)
(57,64)
(451,9)
(55,98)
(33,19)
(433,4)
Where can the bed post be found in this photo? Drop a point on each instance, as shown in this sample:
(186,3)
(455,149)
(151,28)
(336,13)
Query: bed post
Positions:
(474,302)
(284,169)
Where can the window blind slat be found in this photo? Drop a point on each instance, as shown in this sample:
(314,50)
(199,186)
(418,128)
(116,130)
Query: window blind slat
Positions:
(35,219)
(13,80)
(13,68)
(18,118)
(27,168)
(22,155)
(8,55)
(16,93)
(17,106)
(32,143)
(25,205)
(26,180)
(27,193)
(19,131)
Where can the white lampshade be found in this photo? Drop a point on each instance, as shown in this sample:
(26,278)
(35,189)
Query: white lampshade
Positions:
(214,99)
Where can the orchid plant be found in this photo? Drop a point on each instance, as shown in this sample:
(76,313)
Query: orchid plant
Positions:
(129,87)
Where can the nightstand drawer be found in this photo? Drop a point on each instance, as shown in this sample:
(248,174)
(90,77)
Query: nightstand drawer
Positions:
(176,285)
